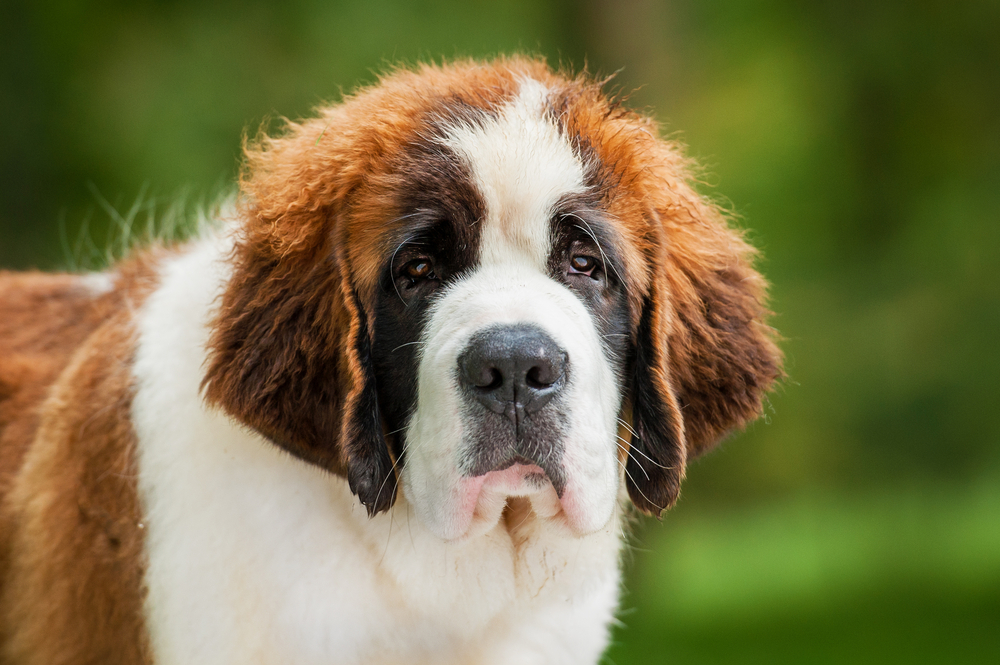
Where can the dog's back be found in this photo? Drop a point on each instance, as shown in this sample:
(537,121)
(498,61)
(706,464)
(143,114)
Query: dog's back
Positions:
(43,319)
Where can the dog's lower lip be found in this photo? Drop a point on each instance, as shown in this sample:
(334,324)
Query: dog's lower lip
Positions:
(518,479)
(522,469)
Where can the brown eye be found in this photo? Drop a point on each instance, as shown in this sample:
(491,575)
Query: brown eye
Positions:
(583,265)
(419,269)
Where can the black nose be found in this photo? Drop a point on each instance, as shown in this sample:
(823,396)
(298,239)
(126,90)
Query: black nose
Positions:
(512,369)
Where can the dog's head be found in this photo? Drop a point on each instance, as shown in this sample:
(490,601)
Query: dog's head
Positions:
(484,281)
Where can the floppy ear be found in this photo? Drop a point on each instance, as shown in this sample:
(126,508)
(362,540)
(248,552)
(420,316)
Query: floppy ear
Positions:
(704,355)
(657,454)
(290,351)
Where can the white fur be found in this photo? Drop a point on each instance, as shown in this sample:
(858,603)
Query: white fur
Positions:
(521,165)
(256,557)
(98,283)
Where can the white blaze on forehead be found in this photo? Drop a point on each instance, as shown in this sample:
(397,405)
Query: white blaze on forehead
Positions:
(521,165)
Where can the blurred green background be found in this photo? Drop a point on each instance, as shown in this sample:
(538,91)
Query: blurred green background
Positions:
(859,521)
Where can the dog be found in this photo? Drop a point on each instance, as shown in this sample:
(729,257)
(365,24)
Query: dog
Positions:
(393,406)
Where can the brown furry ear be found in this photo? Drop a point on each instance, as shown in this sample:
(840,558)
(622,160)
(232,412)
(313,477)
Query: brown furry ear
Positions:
(723,356)
(704,355)
(290,352)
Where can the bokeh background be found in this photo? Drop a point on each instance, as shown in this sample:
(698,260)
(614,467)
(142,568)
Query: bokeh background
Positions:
(859,520)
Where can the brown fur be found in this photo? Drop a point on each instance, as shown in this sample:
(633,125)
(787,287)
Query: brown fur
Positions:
(45,317)
(71,575)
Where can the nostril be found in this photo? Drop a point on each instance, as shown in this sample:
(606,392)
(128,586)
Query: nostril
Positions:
(493,379)
(540,377)
(546,369)
(483,376)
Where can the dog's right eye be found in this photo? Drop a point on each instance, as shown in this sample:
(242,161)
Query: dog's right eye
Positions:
(421,268)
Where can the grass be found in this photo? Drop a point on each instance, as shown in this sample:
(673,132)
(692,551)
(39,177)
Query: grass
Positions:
(99,241)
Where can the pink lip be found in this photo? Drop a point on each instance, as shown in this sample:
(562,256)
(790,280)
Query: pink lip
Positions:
(477,498)
(478,502)
(471,489)
(511,478)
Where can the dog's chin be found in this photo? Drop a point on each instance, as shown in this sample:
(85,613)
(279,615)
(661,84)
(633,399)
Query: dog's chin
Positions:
(516,497)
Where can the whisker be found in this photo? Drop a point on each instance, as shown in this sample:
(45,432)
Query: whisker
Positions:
(628,427)
(395,468)
(651,460)
(382,486)
(636,485)
(402,217)
(408,527)
(396,251)
(636,461)
(521,523)
(387,538)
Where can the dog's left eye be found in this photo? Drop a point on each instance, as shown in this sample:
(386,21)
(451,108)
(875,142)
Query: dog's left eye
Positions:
(583,265)
(417,276)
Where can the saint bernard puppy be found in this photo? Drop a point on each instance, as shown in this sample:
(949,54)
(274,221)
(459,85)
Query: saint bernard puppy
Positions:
(393,407)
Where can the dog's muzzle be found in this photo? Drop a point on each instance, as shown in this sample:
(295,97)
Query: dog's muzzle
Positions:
(514,373)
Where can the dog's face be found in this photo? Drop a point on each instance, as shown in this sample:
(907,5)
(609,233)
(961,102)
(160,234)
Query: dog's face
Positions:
(485,281)
(501,325)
